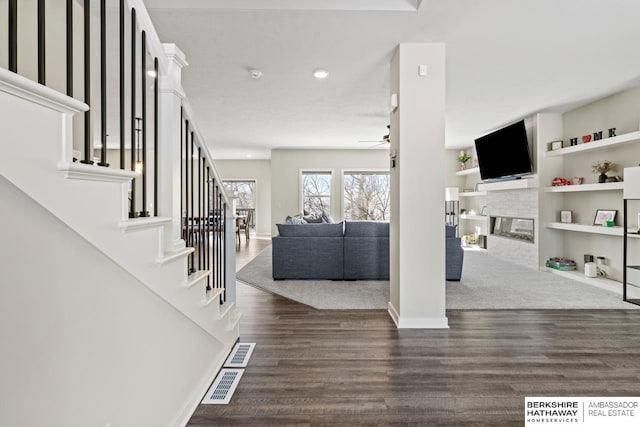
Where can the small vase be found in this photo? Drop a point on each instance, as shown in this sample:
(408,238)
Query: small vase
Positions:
(602,178)
(463,166)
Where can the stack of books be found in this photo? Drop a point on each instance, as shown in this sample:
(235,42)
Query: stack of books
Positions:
(563,264)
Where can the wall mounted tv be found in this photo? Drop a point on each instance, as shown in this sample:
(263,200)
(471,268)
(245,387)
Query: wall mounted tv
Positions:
(504,153)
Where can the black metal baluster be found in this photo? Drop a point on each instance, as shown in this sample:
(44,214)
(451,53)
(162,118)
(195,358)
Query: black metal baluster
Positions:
(209,223)
(203,210)
(186,174)
(143,88)
(122,95)
(69,11)
(132,211)
(156,96)
(204,213)
(181,162)
(217,257)
(223,297)
(187,224)
(200,209)
(193,266)
(42,66)
(216,208)
(13,35)
(220,247)
(103,84)
(88,149)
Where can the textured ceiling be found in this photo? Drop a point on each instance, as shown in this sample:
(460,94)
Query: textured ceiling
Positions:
(505,59)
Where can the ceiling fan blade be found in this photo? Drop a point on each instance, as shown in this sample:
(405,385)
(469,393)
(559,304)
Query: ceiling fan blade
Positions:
(378,140)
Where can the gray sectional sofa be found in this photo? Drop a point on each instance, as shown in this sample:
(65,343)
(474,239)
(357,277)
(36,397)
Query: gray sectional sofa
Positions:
(454,254)
(353,250)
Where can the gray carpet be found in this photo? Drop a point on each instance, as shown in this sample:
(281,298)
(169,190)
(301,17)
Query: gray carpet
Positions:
(487,283)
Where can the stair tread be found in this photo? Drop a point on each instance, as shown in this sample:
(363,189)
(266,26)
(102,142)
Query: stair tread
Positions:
(197,277)
(225,309)
(95,173)
(135,224)
(172,255)
(212,295)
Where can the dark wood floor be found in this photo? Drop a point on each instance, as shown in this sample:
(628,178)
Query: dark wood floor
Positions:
(249,249)
(329,368)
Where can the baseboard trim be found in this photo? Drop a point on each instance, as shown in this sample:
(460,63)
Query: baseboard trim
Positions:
(195,397)
(393,313)
(417,322)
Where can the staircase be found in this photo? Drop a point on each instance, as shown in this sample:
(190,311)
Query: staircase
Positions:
(184,254)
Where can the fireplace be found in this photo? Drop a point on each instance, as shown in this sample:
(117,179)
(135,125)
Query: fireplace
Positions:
(520,229)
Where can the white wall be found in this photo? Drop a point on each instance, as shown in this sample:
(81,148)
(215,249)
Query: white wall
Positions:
(285,176)
(259,171)
(81,337)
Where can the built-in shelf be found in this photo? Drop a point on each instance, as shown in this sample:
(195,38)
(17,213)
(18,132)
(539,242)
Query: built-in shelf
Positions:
(600,282)
(608,186)
(516,184)
(474,217)
(593,229)
(597,145)
(473,194)
(469,171)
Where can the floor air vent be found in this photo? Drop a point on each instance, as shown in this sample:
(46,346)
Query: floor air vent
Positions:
(240,355)
(223,387)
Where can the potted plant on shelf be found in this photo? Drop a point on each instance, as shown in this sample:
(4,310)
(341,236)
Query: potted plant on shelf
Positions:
(463,158)
(602,167)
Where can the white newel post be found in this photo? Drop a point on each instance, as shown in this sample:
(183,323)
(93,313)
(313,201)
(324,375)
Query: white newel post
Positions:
(171,95)
(417,239)
(230,250)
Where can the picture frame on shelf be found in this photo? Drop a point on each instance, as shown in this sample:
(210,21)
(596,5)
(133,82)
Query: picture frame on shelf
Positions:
(604,215)
(566,217)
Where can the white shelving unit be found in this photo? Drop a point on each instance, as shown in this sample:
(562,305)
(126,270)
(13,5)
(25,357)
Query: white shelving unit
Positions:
(516,184)
(593,229)
(608,186)
(473,194)
(599,282)
(469,171)
(597,145)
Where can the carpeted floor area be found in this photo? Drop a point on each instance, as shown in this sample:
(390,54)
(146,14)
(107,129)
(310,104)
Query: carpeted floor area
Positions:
(488,283)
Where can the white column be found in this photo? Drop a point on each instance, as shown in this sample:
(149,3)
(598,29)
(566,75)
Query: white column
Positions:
(171,95)
(417,187)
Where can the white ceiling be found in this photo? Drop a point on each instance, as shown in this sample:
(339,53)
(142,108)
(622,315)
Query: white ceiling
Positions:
(505,59)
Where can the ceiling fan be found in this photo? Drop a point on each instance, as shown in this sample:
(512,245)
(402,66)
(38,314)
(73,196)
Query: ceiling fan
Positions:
(386,140)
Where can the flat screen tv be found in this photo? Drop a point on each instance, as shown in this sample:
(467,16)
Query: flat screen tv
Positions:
(504,153)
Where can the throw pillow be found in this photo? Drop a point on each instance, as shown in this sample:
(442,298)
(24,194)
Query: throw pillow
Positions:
(327,218)
(296,220)
(313,219)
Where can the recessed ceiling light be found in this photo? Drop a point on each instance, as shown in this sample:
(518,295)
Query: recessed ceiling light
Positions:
(249,156)
(255,74)
(320,74)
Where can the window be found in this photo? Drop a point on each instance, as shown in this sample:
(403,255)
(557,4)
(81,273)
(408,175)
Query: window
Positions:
(366,196)
(243,191)
(316,193)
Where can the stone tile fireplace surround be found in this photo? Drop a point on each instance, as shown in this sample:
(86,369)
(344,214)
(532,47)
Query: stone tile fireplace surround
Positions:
(521,203)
